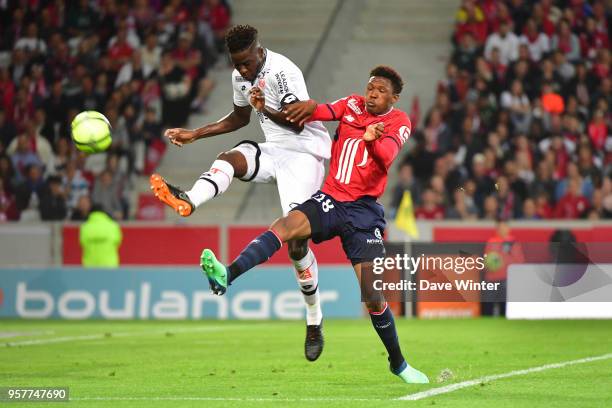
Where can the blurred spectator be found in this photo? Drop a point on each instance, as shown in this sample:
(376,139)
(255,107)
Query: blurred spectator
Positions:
(537,42)
(8,207)
(430,209)
(217,14)
(566,41)
(175,88)
(7,173)
(150,53)
(31,43)
(529,210)
(75,184)
(517,102)
(572,204)
(53,200)
(505,41)
(8,132)
(34,143)
(406,182)
(490,209)
(22,156)
(463,207)
(105,193)
(28,193)
(82,210)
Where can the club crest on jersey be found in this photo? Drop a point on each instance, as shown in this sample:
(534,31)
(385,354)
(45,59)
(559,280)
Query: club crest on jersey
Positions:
(352,103)
(349,118)
(261,83)
(404,133)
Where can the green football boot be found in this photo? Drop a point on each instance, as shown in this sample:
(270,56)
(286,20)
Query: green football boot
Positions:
(215,271)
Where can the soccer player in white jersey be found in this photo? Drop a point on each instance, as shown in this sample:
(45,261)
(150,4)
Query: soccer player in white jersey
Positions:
(292,155)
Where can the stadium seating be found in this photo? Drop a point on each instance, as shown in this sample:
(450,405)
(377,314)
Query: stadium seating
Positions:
(57,60)
(520,127)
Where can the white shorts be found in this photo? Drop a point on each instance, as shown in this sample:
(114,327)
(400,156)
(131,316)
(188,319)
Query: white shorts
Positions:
(298,175)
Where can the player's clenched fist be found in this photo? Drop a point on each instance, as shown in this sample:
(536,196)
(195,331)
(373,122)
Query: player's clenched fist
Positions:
(179,137)
(300,112)
(374,132)
(258,100)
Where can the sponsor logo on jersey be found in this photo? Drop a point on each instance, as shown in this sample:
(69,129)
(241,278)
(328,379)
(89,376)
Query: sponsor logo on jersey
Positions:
(239,78)
(261,83)
(243,88)
(377,233)
(378,236)
(404,133)
(352,103)
(281,81)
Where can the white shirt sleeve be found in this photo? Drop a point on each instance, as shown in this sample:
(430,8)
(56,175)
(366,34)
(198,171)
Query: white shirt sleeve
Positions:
(289,86)
(239,99)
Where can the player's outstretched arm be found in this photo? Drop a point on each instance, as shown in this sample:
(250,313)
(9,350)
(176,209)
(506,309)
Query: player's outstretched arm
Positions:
(258,101)
(236,119)
(300,112)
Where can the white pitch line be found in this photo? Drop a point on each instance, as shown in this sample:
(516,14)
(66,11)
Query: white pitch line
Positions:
(102,336)
(247,399)
(487,378)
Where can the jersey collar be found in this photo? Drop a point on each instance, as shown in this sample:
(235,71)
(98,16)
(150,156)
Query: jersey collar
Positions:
(386,113)
(263,66)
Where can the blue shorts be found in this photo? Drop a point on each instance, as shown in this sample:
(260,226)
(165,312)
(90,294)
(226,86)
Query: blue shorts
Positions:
(359,224)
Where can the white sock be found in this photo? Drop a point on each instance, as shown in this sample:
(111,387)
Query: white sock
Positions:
(212,183)
(307,274)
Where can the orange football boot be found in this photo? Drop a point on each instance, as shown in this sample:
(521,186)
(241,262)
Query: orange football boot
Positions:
(172,196)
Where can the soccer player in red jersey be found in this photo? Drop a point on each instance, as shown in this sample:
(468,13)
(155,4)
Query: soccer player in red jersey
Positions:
(369,137)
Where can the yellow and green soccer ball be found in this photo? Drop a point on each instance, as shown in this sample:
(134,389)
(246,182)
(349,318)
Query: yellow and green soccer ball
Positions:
(91,132)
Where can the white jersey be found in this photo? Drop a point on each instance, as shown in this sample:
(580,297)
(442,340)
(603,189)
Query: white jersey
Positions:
(282,83)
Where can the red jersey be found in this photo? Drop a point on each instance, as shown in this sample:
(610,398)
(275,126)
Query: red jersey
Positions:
(359,168)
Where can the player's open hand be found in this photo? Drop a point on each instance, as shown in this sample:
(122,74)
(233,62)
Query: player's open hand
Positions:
(300,112)
(179,137)
(258,99)
(373,132)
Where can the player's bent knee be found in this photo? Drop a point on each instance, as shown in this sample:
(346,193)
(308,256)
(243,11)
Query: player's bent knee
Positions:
(236,159)
(297,249)
(225,156)
(375,306)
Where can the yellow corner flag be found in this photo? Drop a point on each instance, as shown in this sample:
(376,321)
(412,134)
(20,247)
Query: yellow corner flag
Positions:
(404,219)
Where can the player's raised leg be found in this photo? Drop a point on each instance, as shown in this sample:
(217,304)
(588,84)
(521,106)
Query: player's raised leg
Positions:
(210,184)
(384,324)
(293,226)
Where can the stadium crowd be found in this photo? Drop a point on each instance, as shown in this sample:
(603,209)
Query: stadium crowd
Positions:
(520,126)
(142,63)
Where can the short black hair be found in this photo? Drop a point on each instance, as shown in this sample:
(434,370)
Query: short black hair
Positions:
(240,37)
(391,74)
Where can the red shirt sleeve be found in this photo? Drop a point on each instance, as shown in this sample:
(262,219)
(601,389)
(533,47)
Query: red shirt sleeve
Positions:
(386,149)
(329,111)
(383,150)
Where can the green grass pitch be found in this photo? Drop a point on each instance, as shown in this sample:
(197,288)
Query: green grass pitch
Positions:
(261,364)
